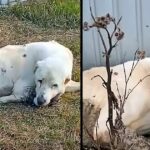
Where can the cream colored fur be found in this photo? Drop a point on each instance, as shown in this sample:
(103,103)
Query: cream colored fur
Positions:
(137,107)
(23,66)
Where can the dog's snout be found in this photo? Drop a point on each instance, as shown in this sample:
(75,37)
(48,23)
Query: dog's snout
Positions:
(41,100)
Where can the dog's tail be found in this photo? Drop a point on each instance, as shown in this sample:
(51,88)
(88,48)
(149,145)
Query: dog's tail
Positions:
(72,86)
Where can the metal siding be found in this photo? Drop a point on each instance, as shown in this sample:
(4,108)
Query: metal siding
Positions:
(135,24)
(146,25)
(89,56)
(6,2)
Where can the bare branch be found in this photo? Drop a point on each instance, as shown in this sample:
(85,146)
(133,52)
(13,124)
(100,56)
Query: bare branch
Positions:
(109,130)
(115,26)
(115,44)
(124,69)
(98,146)
(101,78)
(102,23)
(131,90)
(119,20)
(118,91)
(102,39)
(110,42)
(92,13)
(133,65)
(128,78)
(90,135)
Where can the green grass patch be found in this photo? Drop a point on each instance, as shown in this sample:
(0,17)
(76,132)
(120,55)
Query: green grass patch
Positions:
(49,13)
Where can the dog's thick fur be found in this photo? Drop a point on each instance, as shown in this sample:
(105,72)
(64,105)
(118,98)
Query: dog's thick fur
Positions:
(47,66)
(137,106)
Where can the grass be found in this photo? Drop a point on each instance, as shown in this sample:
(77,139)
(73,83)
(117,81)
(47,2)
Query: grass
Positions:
(24,127)
(27,128)
(49,13)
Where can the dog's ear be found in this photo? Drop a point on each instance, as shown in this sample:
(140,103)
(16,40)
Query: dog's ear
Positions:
(38,64)
(67,80)
(35,68)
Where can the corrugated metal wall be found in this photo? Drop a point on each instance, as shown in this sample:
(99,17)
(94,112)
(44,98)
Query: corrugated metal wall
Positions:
(135,23)
(9,2)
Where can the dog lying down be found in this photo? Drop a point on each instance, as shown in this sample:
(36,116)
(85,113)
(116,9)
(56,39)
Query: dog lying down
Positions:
(137,107)
(47,66)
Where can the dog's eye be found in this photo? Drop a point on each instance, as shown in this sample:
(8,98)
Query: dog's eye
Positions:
(54,85)
(40,81)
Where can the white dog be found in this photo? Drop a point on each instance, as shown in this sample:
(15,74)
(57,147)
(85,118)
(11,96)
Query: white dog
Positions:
(45,65)
(137,106)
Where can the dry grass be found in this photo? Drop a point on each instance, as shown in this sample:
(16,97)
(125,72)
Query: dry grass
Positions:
(23,127)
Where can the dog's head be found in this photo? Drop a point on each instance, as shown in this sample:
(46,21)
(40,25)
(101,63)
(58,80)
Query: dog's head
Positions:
(50,80)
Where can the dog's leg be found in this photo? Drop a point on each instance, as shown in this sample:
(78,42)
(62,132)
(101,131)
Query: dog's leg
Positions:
(6,86)
(17,93)
(5,90)
(72,86)
(10,98)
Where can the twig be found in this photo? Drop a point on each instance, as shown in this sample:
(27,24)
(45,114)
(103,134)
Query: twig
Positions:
(125,75)
(103,42)
(115,24)
(128,78)
(115,44)
(91,12)
(90,135)
(118,91)
(141,80)
(110,42)
(109,131)
(133,65)
(98,144)
(101,78)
